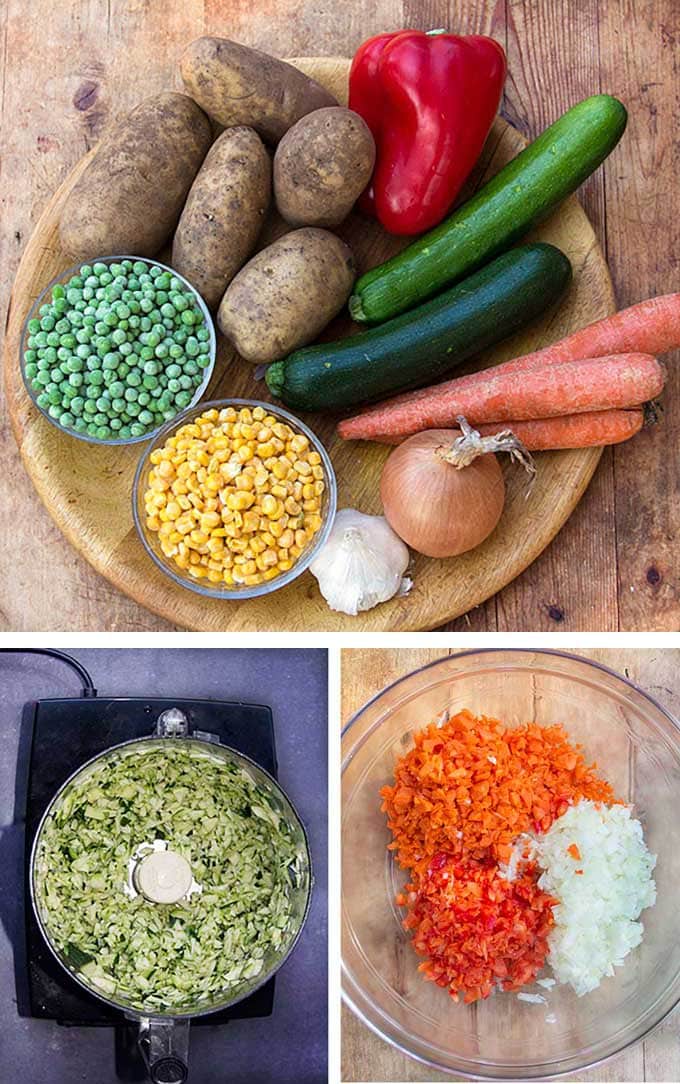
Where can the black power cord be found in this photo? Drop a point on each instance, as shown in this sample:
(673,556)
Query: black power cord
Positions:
(88,689)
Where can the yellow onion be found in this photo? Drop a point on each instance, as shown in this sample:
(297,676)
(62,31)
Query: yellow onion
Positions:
(443,492)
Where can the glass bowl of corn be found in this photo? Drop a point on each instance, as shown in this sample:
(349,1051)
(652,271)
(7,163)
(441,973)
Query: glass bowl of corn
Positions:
(234,498)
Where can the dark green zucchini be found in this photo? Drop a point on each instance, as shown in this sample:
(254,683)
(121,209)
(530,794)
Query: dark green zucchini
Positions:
(523,193)
(421,346)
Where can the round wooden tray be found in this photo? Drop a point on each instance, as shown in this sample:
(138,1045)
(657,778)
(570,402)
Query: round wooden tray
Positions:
(87,489)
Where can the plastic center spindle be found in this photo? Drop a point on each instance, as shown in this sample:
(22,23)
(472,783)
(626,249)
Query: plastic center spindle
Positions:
(163,877)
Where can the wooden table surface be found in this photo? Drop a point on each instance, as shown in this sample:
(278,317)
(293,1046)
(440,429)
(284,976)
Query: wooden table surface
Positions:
(72,68)
(365,1057)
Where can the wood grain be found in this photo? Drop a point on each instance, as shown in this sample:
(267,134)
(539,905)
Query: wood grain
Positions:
(86,488)
(67,75)
(365,1057)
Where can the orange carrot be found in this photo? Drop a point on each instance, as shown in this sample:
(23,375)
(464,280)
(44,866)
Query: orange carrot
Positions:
(594,429)
(650,327)
(595,384)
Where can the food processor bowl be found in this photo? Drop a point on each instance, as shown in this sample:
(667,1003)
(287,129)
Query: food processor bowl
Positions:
(636,745)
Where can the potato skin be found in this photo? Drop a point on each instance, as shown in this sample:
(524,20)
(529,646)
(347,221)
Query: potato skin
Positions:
(286,294)
(224,213)
(129,197)
(238,85)
(321,167)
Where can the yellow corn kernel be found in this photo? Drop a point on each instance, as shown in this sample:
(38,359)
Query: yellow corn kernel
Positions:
(312,522)
(286,539)
(317,472)
(314,458)
(295,551)
(269,504)
(300,538)
(270,574)
(279,491)
(216,546)
(299,443)
(239,501)
(249,568)
(257,546)
(308,491)
(261,479)
(280,470)
(199,537)
(166,469)
(245,453)
(237,545)
(311,506)
(268,538)
(292,507)
(284,566)
(259,413)
(239,561)
(269,558)
(277,528)
(265,450)
(252,581)
(250,521)
(228,578)
(153,523)
(302,467)
(197,571)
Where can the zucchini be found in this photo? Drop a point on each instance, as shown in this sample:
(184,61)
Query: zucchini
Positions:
(421,346)
(501,213)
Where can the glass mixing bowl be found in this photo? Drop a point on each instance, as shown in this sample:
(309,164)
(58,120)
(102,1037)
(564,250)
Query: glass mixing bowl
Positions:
(636,744)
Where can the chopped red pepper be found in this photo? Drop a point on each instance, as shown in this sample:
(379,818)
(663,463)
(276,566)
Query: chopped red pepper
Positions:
(477,930)
(430,100)
(573,850)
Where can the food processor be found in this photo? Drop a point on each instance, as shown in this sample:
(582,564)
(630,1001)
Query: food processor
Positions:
(636,744)
(91,731)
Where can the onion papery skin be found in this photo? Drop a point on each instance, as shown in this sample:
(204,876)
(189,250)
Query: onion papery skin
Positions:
(437,509)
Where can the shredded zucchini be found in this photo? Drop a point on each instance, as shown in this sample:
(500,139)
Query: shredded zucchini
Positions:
(242,851)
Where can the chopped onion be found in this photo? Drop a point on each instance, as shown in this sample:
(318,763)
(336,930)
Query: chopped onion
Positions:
(595,919)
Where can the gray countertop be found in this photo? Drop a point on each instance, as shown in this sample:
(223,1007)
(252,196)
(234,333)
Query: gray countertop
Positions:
(289,1047)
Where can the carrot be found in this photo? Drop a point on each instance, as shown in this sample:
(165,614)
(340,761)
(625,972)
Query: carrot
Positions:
(595,384)
(650,327)
(593,429)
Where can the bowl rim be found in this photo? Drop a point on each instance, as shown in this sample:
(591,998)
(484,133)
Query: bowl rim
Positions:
(528,1071)
(303,562)
(59,280)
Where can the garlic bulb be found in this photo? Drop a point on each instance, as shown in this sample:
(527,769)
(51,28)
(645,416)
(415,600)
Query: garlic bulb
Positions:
(362,563)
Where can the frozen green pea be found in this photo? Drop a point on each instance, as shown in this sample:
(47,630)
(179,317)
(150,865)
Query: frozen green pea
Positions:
(66,419)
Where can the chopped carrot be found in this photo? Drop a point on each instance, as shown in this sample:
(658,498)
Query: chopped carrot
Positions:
(573,850)
(537,765)
(593,429)
(593,384)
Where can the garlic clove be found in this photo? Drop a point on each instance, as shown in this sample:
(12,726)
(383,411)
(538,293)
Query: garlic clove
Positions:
(362,563)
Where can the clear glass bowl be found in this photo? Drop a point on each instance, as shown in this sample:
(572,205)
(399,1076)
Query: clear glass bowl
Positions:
(637,746)
(214,590)
(62,279)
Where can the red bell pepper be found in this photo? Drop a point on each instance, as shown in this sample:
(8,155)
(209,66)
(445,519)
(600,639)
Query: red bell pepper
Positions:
(430,100)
